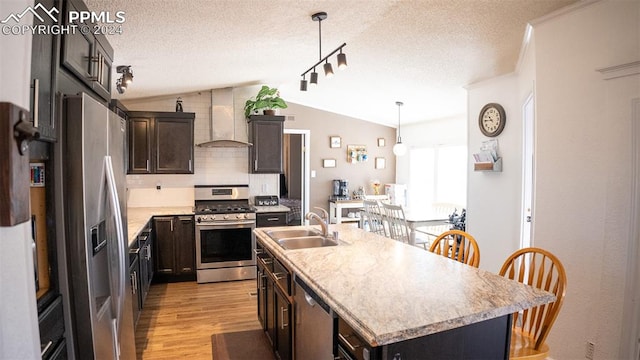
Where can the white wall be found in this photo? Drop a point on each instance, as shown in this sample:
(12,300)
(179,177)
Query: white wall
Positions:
(583,178)
(582,166)
(494,198)
(19,335)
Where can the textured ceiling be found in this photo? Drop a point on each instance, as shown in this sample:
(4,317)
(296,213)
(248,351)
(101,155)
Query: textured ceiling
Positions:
(421,52)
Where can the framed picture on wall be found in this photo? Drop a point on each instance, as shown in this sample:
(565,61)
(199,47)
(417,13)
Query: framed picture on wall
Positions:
(335,141)
(381,163)
(381,142)
(328,163)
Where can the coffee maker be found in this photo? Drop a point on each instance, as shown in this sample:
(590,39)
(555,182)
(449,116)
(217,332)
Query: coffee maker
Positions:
(341,189)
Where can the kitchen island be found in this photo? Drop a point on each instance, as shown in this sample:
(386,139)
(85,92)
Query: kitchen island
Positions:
(391,293)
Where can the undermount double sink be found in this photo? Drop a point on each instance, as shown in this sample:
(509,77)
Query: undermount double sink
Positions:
(291,239)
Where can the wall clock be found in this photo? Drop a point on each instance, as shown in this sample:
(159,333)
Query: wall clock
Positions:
(492,119)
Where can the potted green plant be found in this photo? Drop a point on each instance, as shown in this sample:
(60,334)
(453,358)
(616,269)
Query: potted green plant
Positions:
(267,99)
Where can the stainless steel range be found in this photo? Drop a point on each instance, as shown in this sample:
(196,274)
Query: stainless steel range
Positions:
(225,242)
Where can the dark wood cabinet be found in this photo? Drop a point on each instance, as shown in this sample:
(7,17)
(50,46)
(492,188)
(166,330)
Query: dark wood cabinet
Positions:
(134,279)
(146,260)
(87,56)
(174,146)
(43,75)
(271,219)
(140,145)
(175,248)
(265,133)
(140,269)
(51,326)
(282,346)
(161,142)
(275,309)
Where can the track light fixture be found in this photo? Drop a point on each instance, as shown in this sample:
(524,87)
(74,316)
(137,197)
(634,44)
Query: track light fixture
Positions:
(328,69)
(125,79)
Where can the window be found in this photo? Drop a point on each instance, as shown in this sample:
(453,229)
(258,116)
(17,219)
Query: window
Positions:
(437,175)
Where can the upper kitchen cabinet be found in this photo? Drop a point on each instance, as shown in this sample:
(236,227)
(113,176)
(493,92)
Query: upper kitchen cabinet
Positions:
(87,56)
(161,142)
(265,133)
(43,71)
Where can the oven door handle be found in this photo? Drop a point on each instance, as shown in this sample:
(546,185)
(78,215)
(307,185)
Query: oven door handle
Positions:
(230,223)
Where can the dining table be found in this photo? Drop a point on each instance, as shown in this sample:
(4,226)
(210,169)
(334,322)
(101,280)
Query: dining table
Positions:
(422,217)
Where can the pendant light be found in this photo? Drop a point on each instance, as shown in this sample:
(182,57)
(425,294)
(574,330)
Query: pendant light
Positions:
(399,148)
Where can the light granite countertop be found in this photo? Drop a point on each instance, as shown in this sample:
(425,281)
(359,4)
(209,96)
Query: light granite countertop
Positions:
(389,291)
(137,217)
(268,209)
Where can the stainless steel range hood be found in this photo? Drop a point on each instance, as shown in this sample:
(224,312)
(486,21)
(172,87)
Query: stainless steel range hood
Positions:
(222,121)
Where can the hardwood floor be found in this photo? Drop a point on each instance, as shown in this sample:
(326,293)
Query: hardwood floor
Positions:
(179,318)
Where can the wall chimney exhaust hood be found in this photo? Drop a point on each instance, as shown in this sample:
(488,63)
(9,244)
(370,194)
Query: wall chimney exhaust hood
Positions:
(222,127)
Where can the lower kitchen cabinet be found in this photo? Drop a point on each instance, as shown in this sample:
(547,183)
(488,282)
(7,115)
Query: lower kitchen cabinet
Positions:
(275,303)
(146,260)
(51,326)
(283,306)
(271,219)
(174,248)
(134,278)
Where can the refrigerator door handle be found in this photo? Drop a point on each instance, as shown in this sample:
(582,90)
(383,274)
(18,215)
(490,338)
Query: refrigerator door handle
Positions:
(115,205)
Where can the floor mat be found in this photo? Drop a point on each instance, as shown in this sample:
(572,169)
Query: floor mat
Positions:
(241,345)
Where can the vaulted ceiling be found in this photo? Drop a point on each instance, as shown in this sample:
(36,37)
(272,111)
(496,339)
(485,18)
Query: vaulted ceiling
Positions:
(421,52)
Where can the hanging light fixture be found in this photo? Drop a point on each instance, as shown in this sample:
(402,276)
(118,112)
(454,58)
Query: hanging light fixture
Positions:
(399,148)
(328,68)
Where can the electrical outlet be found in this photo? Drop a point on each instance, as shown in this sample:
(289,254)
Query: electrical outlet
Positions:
(589,350)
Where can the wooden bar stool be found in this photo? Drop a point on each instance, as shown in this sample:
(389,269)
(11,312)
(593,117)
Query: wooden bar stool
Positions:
(541,269)
(457,245)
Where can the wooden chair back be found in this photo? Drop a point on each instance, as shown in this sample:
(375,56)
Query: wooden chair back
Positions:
(541,269)
(374,217)
(457,245)
(396,222)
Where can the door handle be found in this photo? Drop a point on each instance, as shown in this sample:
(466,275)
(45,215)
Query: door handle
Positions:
(46,348)
(36,100)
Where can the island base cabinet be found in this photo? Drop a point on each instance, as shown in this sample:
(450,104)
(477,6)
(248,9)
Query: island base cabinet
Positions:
(488,339)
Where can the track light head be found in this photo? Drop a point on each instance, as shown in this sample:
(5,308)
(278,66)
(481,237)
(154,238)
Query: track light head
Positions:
(342,60)
(127,74)
(314,78)
(328,70)
(303,85)
(121,86)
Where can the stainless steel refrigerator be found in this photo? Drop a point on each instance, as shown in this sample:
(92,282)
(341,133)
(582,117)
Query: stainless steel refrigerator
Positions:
(94,187)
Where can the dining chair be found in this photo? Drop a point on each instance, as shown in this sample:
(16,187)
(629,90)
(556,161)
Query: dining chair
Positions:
(543,270)
(396,222)
(457,245)
(374,218)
